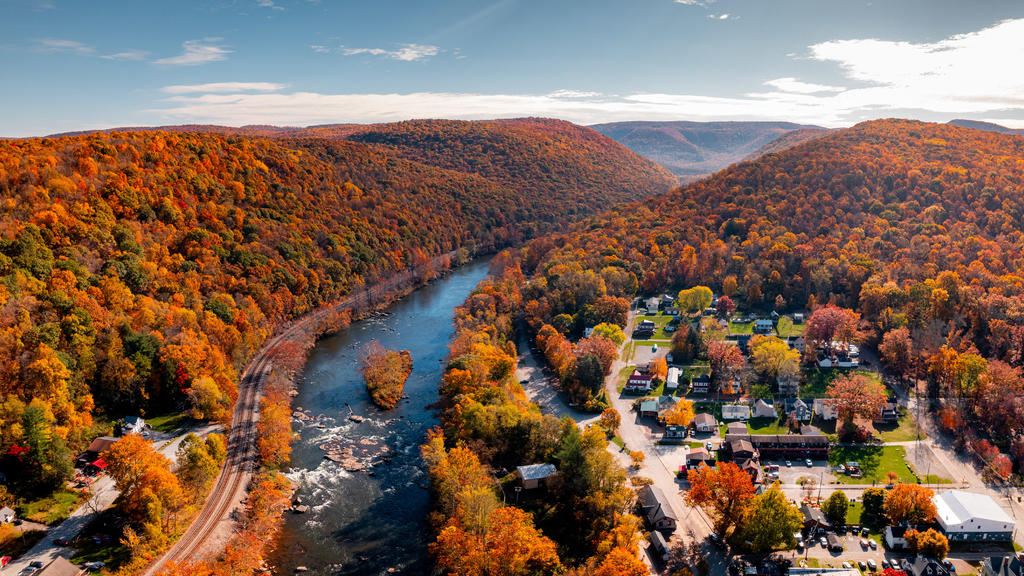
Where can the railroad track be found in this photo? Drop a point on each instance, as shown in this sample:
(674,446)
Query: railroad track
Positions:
(242,455)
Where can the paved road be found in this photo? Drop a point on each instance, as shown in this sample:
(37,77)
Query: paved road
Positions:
(103,495)
(542,387)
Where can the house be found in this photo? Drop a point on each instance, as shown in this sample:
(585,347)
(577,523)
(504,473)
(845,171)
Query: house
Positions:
(674,435)
(824,409)
(672,379)
(700,384)
(59,567)
(889,414)
(786,446)
(763,409)
(655,507)
(788,385)
(753,468)
(798,318)
(1002,566)
(972,517)
(6,515)
(735,412)
(672,310)
(925,566)
(697,456)
(649,408)
(704,422)
(798,410)
(741,450)
(736,428)
(743,342)
(645,329)
(132,425)
(638,383)
(653,304)
(535,475)
(659,547)
(894,537)
(763,327)
(814,520)
(667,300)
(100,445)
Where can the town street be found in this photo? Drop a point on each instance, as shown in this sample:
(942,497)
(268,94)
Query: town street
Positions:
(103,495)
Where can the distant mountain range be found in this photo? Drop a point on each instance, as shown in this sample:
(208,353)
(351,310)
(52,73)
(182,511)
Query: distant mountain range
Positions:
(986,126)
(691,150)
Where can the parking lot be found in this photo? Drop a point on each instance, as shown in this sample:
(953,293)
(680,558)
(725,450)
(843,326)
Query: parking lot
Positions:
(798,469)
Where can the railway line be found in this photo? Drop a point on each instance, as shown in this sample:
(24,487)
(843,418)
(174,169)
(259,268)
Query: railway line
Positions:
(242,456)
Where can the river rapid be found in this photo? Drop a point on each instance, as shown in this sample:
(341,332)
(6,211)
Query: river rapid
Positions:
(371,522)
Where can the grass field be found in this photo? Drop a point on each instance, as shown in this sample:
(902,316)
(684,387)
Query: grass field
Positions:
(766,426)
(741,327)
(904,430)
(14,542)
(816,381)
(167,422)
(51,509)
(875,462)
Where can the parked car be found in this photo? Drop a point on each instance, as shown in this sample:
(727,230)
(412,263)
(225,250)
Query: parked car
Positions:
(96,566)
(824,542)
(847,565)
(885,563)
(862,565)
(864,543)
(62,542)
(872,565)
(949,565)
(709,447)
(873,544)
(788,464)
(809,463)
(4,561)
(864,532)
(37,565)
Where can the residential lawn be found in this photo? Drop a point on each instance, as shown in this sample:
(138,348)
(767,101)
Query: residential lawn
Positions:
(875,463)
(167,422)
(51,509)
(933,479)
(690,372)
(741,327)
(14,542)
(623,376)
(695,444)
(713,408)
(766,426)
(905,429)
(660,390)
(816,381)
(854,512)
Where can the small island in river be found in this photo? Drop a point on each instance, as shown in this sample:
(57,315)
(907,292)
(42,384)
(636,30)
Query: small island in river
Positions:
(385,372)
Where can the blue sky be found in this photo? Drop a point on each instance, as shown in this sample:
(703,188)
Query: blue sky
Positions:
(72,65)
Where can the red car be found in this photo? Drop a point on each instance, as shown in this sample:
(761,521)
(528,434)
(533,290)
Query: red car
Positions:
(5,561)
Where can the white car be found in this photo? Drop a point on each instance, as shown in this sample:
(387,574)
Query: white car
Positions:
(871,565)
(809,463)
(788,464)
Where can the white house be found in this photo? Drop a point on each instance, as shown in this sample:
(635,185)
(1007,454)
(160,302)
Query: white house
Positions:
(535,475)
(133,425)
(824,409)
(704,422)
(735,412)
(763,326)
(6,515)
(969,516)
(763,409)
(672,379)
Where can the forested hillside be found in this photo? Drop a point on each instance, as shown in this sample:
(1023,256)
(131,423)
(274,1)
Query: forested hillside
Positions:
(919,227)
(141,269)
(695,149)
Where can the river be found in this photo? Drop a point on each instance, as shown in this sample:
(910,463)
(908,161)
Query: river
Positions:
(359,523)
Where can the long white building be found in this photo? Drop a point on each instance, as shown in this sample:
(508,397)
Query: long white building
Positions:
(969,517)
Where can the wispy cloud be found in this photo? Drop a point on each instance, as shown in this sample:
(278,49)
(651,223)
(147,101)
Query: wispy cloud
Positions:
(725,16)
(223,87)
(60,45)
(793,85)
(971,75)
(404,52)
(694,2)
(135,55)
(196,52)
(268,4)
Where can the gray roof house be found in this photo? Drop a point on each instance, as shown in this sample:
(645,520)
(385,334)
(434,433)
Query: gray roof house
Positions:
(59,567)
(656,509)
(6,515)
(534,475)
(1002,566)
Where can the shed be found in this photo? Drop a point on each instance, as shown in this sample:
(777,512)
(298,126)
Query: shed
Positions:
(659,546)
(736,428)
(672,379)
(535,475)
(649,408)
(7,515)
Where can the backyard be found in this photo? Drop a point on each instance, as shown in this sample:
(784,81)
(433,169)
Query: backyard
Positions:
(816,381)
(875,463)
(51,509)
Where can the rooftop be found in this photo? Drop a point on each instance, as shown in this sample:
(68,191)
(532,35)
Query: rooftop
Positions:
(957,507)
(536,471)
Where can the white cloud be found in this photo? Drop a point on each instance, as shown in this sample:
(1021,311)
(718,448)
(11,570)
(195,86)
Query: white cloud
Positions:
(694,2)
(59,45)
(405,52)
(320,49)
(268,4)
(725,16)
(795,86)
(134,55)
(223,87)
(973,75)
(196,52)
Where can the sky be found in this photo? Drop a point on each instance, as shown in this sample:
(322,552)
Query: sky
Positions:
(80,65)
